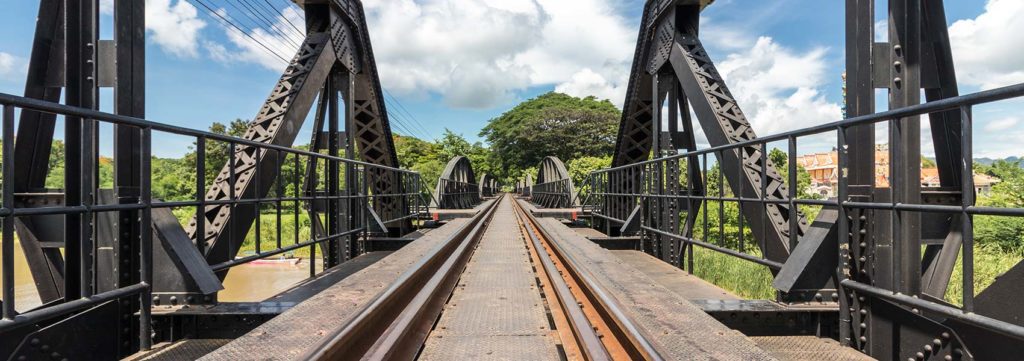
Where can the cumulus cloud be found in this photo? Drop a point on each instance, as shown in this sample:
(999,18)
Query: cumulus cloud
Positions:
(282,39)
(985,49)
(479,54)
(778,88)
(174,25)
(11,67)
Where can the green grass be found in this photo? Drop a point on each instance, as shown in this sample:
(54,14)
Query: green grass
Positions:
(989,262)
(753,281)
(743,278)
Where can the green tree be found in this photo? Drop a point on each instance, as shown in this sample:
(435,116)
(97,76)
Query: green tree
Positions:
(580,168)
(803,179)
(551,124)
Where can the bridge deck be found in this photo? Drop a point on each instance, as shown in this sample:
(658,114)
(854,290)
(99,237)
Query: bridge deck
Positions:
(679,329)
(287,336)
(496,312)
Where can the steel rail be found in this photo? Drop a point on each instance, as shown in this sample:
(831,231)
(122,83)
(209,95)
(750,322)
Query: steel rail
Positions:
(583,331)
(636,344)
(395,324)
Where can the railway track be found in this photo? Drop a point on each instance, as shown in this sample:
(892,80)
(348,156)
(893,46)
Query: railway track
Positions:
(585,322)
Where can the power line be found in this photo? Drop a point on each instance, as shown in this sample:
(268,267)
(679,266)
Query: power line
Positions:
(286,19)
(222,18)
(402,108)
(268,20)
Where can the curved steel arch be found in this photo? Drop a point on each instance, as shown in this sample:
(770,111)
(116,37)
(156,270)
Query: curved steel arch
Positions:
(455,187)
(488,185)
(554,188)
(524,186)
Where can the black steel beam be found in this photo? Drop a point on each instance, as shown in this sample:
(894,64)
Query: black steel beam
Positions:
(32,148)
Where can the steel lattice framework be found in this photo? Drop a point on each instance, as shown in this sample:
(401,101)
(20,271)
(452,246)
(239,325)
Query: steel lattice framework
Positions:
(875,253)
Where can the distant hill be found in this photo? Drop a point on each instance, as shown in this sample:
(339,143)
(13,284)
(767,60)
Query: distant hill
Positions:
(989,161)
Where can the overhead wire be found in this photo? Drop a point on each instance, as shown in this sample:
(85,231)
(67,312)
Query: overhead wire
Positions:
(403,120)
(408,114)
(270,21)
(239,28)
(286,19)
(267,35)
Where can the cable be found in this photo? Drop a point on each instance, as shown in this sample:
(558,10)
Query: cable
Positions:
(217,14)
(286,19)
(402,108)
(273,24)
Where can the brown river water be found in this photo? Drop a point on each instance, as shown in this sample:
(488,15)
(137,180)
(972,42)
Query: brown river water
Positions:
(247,282)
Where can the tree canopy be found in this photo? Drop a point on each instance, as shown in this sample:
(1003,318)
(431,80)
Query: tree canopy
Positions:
(551,124)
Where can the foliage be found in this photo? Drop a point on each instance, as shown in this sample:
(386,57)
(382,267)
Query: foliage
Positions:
(551,124)
(580,168)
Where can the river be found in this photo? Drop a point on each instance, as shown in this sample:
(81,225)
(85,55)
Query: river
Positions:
(247,282)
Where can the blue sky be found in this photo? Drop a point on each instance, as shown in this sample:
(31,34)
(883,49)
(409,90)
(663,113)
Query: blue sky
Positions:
(457,63)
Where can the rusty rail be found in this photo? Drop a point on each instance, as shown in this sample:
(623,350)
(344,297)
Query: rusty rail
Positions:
(395,324)
(580,295)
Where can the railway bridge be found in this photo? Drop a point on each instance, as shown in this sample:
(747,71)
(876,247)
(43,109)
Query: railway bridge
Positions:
(470,269)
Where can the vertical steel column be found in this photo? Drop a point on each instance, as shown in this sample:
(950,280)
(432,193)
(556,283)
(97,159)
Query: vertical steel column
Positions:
(334,255)
(130,100)
(80,137)
(860,173)
(905,139)
(351,179)
(7,252)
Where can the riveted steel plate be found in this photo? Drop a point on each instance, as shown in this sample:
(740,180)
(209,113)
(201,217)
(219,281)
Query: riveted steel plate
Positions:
(808,348)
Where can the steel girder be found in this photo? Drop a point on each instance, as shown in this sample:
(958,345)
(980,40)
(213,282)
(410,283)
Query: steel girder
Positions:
(488,186)
(724,123)
(668,44)
(278,122)
(455,188)
(32,149)
(554,188)
(344,41)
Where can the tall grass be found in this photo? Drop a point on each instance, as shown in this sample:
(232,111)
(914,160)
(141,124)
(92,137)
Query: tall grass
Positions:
(743,278)
(754,281)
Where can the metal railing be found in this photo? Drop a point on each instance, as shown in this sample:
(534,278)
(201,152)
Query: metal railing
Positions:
(664,184)
(457,195)
(555,194)
(344,200)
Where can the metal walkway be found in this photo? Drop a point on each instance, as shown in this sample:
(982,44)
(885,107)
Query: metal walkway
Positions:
(497,312)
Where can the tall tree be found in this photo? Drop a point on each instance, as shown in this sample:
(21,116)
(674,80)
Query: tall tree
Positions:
(551,124)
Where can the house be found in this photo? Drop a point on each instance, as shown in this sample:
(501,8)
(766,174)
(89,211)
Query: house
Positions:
(823,169)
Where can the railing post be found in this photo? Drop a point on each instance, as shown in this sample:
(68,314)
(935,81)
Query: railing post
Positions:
(146,241)
(7,263)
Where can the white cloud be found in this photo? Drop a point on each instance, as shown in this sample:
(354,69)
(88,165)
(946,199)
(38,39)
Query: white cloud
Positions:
(1001,124)
(479,54)
(986,49)
(587,82)
(174,25)
(778,88)
(882,31)
(106,7)
(12,67)
(282,38)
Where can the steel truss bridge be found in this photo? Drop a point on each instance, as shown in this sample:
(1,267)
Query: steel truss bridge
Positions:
(598,270)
